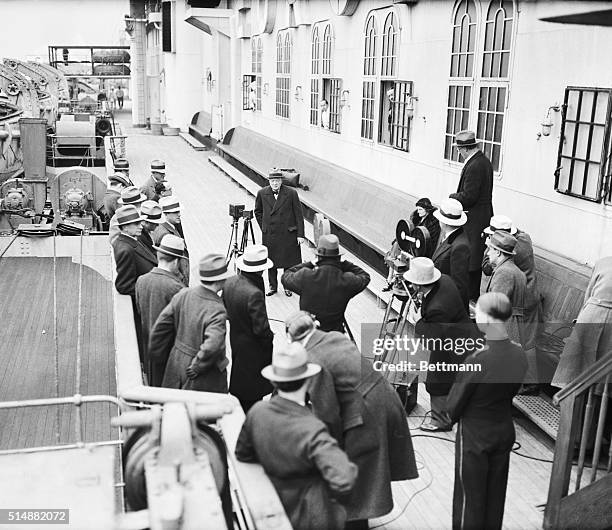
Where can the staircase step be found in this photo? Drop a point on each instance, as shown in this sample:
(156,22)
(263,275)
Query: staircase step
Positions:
(193,142)
(541,411)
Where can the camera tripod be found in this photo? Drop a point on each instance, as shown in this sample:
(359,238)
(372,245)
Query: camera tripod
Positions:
(235,250)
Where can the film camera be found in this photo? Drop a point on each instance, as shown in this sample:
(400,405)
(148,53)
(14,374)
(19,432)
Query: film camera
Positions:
(236,248)
(236,210)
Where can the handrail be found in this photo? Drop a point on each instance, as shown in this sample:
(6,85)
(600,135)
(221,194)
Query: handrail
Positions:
(591,375)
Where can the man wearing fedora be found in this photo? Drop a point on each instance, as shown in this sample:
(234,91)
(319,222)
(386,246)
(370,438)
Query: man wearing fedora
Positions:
(474,192)
(190,333)
(117,182)
(171,210)
(122,165)
(327,286)
(278,211)
(250,334)
(130,196)
(152,214)
(154,185)
(524,260)
(442,315)
(154,290)
(452,255)
(508,279)
(304,462)
(480,401)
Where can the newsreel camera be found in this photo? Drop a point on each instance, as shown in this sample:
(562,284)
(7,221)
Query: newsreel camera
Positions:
(238,212)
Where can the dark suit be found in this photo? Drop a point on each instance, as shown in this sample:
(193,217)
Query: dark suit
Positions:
(302,459)
(154,291)
(475,193)
(481,401)
(145,239)
(175,230)
(191,329)
(133,260)
(111,196)
(282,222)
(443,316)
(250,337)
(452,258)
(325,290)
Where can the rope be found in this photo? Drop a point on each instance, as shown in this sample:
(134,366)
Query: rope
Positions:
(78,348)
(55,342)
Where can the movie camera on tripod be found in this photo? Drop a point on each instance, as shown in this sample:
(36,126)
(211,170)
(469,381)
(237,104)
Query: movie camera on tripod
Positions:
(411,243)
(238,212)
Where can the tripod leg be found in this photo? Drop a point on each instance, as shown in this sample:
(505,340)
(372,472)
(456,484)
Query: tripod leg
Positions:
(252,233)
(228,255)
(385,323)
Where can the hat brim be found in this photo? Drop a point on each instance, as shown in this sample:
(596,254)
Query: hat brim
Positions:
(409,278)
(253,268)
(159,221)
(223,276)
(157,170)
(328,255)
(143,198)
(168,253)
(311,370)
(451,222)
(131,221)
(471,144)
(488,230)
(503,251)
(279,177)
(173,210)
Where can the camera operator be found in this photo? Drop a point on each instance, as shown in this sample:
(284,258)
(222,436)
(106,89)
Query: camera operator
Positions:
(279,214)
(326,287)
(153,186)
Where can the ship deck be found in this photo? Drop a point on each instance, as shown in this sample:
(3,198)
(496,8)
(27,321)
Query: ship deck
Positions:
(28,351)
(205,193)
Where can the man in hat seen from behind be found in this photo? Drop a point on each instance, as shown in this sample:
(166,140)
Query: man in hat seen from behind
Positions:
(250,334)
(117,183)
(152,214)
(278,211)
(154,291)
(190,333)
(442,315)
(130,196)
(480,401)
(327,286)
(508,279)
(171,209)
(363,413)
(307,467)
(475,193)
(452,254)
(154,185)
(122,165)
(524,260)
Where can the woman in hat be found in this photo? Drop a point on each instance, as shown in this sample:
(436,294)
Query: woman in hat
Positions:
(308,469)
(362,411)
(250,333)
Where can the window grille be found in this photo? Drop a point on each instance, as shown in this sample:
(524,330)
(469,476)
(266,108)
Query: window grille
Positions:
(389,47)
(283,71)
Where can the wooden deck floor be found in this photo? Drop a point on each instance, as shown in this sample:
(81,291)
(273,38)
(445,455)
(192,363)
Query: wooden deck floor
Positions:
(205,193)
(27,351)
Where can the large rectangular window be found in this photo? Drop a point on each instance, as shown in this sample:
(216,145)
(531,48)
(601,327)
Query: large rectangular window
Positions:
(583,163)
(283,73)
(282,96)
(368,99)
(314,101)
(395,114)
(491,106)
(331,93)
(248,101)
(457,117)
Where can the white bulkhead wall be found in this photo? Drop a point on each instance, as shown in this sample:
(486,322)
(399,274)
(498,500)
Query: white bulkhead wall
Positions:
(546,58)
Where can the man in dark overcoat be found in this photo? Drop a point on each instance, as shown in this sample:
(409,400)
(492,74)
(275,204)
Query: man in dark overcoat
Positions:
(153,184)
(152,214)
(362,411)
(481,401)
(278,211)
(327,286)
(452,255)
(171,210)
(442,316)
(117,182)
(311,474)
(190,333)
(250,334)
(154,291)
(475,193)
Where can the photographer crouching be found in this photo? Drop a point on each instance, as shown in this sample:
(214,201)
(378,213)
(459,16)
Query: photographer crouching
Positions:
(327,284)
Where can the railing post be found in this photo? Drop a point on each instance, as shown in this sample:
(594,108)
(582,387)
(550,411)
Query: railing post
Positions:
(569,424)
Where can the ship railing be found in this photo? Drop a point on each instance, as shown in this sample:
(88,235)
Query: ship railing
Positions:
(84,149)
(582,439)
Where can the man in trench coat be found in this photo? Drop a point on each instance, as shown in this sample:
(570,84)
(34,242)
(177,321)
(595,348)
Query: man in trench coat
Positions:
(250,334)
(171,209)
(154,291)
(278,211)
(475,193)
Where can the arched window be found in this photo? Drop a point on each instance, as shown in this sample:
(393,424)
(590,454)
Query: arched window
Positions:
(315,69)
(464,39)
(389,47)
(498,39)
(369,52)
(368,96)
(315,51)
(327,50)
(283,71)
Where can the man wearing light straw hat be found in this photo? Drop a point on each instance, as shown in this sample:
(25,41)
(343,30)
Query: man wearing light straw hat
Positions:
(308,469)
(154,291)
(250,333)
(190,333)
(171,209)
(152,214)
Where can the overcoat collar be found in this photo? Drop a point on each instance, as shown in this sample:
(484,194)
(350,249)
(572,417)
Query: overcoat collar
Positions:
(282,197)
(446,244)
(139,248)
